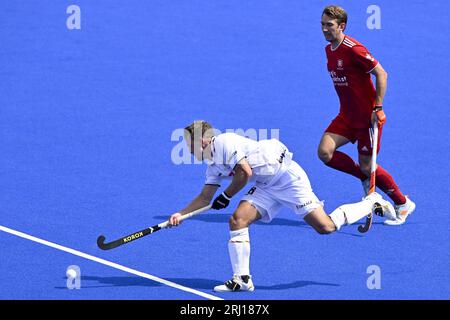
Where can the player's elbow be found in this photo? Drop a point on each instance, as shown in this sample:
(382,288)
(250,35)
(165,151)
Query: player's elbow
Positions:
(244,172)
(379,73)
(382,74)
(244,177)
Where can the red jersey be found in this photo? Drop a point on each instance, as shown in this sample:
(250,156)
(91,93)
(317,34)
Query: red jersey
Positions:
(349,65)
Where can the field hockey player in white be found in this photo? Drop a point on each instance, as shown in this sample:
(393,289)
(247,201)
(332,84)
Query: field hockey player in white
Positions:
(277,181)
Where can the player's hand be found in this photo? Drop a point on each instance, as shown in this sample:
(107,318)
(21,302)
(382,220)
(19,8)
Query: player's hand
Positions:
(174,219)
(221,202)
(379,113)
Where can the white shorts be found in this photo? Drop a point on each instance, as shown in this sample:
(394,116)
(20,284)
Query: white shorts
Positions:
(292,189)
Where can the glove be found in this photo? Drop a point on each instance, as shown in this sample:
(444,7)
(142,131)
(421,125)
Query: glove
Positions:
(221,202)
(381,117)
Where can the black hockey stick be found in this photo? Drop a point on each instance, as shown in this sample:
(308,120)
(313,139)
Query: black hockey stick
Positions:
(373,168)
(137,235)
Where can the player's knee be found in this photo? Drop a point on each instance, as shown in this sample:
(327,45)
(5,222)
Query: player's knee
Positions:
(324,154)
(232,223)
(326,228)
(237,223)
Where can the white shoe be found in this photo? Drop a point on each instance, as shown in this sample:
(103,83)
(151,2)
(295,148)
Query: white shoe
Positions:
(387,209)
(402,212)
(366,186)
(238,283)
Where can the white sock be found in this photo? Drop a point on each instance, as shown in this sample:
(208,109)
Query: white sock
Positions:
(350,213)
(239,250)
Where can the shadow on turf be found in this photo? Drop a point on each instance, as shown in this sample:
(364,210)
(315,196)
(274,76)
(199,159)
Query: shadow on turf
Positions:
(224,218)
(205,284)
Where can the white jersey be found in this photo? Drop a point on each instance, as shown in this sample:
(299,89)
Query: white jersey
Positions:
(267,158)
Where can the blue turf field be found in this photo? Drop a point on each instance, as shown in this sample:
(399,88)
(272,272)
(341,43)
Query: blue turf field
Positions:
(86,118)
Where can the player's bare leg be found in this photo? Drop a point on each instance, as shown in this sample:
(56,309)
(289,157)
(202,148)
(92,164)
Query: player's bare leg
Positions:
(244,215)
(239,248)
(329,143)
(348,214)
(364,164)
(320,221)
(403,205)
(329,155)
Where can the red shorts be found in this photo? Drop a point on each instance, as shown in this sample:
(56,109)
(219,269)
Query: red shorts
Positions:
(362,136)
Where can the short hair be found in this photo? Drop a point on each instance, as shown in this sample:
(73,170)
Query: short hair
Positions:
(200,128)
(336,12)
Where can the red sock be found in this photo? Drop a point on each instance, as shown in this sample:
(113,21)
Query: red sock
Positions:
(342,162)
(387,184)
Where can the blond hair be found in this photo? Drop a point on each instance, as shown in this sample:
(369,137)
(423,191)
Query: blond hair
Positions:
(336,12)
(199,128)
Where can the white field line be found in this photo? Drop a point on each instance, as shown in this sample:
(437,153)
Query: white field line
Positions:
(108,263)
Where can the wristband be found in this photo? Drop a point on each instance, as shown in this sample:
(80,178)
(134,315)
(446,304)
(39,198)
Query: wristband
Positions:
(377,108)
(226,196)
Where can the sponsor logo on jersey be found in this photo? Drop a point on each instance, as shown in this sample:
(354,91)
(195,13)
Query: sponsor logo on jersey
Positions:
(338,81)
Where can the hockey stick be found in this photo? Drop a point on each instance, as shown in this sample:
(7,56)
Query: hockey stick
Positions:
(373,168)
(139,234)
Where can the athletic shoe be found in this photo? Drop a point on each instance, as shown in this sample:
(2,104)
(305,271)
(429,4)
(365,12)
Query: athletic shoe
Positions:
(238,283)
(382,208)
(402,212)
(366,186)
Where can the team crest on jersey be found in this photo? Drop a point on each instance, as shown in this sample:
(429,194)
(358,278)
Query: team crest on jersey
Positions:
(340,64)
